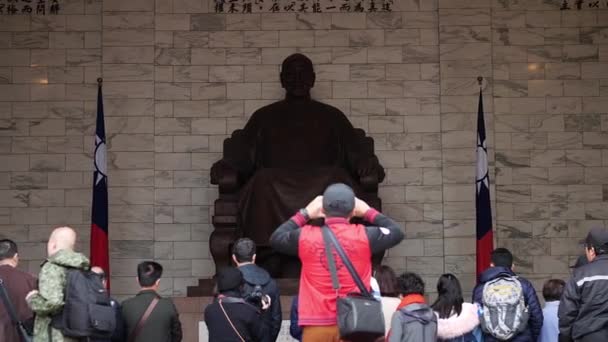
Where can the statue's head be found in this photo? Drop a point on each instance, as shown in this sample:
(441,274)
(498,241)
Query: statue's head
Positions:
(297,75)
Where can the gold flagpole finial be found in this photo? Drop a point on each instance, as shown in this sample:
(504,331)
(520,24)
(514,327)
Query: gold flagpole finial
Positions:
(99,80)
(480,80)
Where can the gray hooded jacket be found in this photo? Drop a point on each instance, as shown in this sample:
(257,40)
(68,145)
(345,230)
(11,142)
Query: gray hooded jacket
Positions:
(414,323)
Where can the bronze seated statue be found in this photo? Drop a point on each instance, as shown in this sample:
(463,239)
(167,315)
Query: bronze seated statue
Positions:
(288,153)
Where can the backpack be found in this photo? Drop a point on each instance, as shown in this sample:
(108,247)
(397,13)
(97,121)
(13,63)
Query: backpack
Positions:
(504,308)
(253,294)
(87,309)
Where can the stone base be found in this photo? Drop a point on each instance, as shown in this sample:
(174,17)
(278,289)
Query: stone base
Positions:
(191,316)
(287,287)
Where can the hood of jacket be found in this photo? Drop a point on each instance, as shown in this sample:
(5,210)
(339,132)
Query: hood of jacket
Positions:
(69,258)
(254,274)
(458,325)
(495,272)
(419,312)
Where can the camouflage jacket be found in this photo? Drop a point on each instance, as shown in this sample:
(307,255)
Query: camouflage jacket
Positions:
(51,285)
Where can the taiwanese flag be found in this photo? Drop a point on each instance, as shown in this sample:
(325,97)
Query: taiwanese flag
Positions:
(99,215)
(485,243)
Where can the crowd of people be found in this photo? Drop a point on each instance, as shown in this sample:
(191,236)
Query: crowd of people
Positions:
(504,305)
(69,302)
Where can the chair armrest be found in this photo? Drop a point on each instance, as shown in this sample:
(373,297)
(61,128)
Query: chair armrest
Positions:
(229,172)
(370,182)
(229,181)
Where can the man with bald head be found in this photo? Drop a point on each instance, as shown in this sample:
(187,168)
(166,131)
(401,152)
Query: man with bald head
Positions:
(48,300)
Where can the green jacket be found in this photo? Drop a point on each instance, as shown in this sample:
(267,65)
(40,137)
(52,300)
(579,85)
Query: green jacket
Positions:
(51,286)
(163,325)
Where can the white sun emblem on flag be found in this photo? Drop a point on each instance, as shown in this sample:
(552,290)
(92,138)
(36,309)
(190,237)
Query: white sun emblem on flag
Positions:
(100,159)
(482,164)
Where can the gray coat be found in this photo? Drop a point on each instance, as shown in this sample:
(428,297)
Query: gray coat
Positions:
(413,323)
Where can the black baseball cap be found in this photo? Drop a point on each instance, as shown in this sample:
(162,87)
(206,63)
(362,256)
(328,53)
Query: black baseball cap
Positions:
(597,237)
(338,200)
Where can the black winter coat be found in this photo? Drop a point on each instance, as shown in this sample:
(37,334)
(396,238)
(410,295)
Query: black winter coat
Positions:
(535,321)
(255,275)
(583,309)
(244,316)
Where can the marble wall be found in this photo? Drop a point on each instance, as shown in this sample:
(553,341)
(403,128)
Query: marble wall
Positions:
(178,78)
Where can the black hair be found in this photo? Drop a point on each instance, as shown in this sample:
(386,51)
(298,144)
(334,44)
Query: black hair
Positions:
(387,281)
(410,283)
(599,249)
(148,272)
(502,257)
(8,249)
(553,289)
(449,299)
(244,250)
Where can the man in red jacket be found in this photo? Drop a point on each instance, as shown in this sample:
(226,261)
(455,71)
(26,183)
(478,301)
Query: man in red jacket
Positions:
(317,298)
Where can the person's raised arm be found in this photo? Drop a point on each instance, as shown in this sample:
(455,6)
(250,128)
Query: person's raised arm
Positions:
(385,233)
(285,238)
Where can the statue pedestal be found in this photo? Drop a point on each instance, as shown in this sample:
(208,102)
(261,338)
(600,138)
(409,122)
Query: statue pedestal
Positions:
(287,287)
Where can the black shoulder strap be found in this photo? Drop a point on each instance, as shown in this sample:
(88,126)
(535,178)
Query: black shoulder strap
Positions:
(7,303)
(143,319)
(346,261)
(330,258)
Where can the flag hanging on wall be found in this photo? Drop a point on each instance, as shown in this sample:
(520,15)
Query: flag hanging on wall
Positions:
(485,241)
(99,213)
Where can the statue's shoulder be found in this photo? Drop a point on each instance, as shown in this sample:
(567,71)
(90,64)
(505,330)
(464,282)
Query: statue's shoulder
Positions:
(270,108)
(327,107)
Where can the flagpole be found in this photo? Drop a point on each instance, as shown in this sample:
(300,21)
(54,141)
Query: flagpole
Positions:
(479,80)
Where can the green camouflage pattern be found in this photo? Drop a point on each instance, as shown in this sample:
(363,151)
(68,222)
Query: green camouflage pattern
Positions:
(51,285)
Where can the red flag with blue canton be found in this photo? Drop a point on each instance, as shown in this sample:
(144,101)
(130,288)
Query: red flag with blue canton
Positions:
(99,216)
(485,239)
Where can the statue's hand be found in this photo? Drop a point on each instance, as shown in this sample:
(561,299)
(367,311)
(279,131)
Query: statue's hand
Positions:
(366,167)
(220,168)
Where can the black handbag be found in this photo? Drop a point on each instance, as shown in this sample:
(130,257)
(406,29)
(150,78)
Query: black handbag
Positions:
(360,316)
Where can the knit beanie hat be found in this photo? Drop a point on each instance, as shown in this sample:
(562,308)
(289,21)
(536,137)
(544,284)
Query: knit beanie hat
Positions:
(229,278)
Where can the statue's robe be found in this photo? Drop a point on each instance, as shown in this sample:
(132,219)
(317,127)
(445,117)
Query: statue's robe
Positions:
(292,150)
